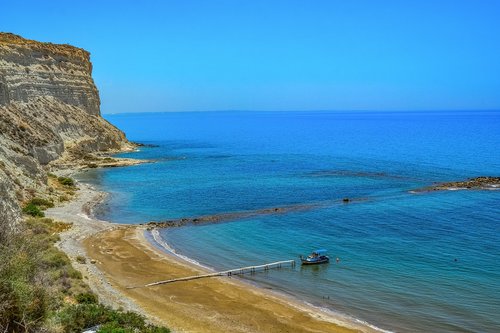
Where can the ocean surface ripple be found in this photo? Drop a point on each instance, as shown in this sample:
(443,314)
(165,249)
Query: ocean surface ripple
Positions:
(408,262)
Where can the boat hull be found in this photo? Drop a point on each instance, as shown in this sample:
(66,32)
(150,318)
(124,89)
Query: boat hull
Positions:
(315,262)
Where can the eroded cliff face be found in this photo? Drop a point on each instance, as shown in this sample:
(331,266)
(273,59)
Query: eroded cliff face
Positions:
(31,69)
(49,114)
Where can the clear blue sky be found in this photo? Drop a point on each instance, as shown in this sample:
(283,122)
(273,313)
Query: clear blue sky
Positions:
(277,55)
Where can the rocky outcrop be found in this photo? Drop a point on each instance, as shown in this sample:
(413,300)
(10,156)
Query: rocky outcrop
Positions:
(9,209)
(478,183)
(49,114)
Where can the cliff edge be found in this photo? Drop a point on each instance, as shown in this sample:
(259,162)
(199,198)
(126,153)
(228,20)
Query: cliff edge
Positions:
(49,116)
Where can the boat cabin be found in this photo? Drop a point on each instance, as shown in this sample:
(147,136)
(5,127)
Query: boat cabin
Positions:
(316,257)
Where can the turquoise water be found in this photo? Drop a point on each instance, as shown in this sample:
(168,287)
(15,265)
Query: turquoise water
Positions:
(408,262)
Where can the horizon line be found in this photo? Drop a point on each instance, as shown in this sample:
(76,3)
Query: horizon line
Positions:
(311,111)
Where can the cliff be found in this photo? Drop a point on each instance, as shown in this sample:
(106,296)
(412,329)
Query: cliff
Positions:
(49,116)
(32,69)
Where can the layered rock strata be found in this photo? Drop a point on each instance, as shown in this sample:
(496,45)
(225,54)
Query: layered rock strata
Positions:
(49,112)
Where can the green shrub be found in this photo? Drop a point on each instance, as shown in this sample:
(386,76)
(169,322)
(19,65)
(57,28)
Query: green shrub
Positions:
(36,205)
(77,317)
(81,259)
(54,259)
(23,297)
(36,280)
(66,181)
(86,298)
(74,274)
(33,210)
(42,203)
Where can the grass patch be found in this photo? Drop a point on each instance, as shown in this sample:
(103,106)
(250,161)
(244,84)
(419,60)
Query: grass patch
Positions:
(66,181)
(42,203)
(33,210)
(63,188)
(36,206)
(86,298)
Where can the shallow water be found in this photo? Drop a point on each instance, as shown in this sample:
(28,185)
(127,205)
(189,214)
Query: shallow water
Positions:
(408,262)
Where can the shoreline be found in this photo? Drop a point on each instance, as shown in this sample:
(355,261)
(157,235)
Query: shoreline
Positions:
(76,212)
(303,305)
(86,232)
(482,183)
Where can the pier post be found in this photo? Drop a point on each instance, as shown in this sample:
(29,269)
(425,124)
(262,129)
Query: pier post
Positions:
(229,272)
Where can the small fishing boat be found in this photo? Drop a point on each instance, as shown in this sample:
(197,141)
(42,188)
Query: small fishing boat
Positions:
(317,257)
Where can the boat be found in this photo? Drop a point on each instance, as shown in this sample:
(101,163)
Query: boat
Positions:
(317,257)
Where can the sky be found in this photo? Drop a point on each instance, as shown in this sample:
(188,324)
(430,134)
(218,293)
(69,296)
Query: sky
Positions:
(188,55)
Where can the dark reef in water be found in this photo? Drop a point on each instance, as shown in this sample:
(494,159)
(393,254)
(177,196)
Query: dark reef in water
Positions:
(223,217)
(478,183)
(146,145)
(232,216)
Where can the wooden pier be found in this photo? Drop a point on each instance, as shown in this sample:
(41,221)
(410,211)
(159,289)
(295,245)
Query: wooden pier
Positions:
(230,272)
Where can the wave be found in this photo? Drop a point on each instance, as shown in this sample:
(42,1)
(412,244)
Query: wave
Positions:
(160,241)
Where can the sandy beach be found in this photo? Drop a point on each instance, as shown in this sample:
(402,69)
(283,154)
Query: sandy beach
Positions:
(119,256)
(77,212)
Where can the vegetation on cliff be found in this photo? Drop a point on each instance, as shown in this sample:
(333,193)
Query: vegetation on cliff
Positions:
(41,291)
(49,119)
(60,49)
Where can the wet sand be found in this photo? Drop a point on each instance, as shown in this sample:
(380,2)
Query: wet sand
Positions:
(119,256)
(219,304)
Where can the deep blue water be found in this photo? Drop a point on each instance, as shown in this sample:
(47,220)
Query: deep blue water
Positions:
(397,249)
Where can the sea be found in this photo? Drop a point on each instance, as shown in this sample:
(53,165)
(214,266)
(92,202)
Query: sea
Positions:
(407,261)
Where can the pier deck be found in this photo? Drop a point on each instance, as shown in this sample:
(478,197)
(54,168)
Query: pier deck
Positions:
(229,272)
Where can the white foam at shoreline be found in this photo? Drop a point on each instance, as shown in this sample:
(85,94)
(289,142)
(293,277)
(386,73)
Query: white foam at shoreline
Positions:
(338,318)
(85,216)
(346,320)
(160,241)
(456,188)
(331,315)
